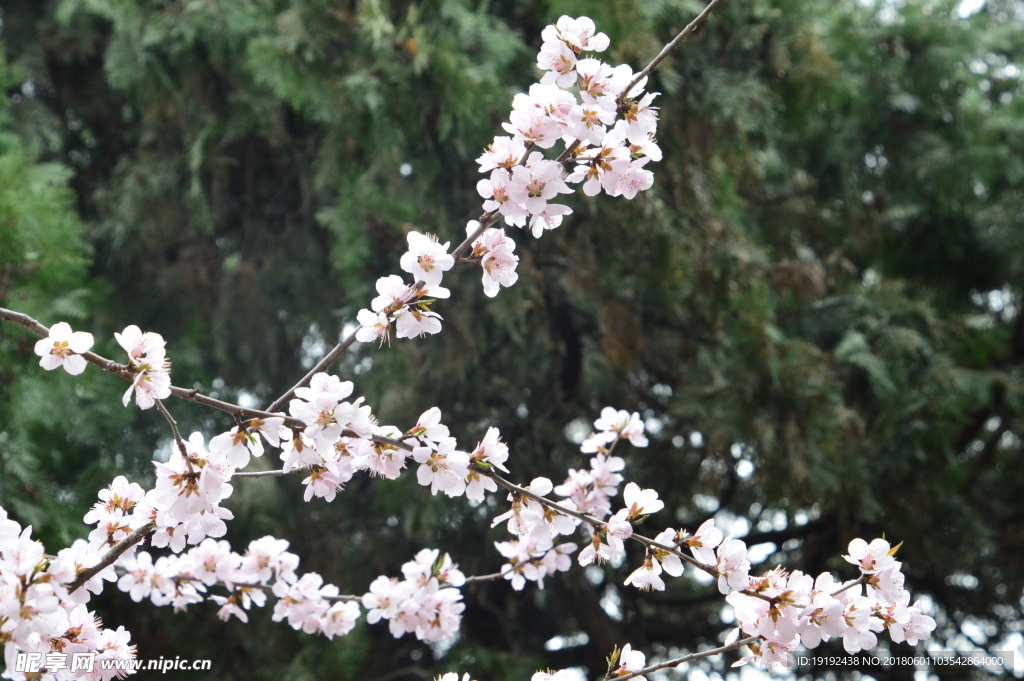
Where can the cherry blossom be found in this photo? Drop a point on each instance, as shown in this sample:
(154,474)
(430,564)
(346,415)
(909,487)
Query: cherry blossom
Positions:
(647,576)
(442,467)
(914,628)
(641,119)
(641,502)
(870,558)
(269,428)
(497,259)
(504,152)
(670,562)
(822,620)
(628,661)
(539,117)
(732,565)
(539,181)
(608,545)
(548,219)
(64,347)
(491,450)
(623,425)
(428,427)
(498,192)
(704,541)
(601,169)
(119,495)
(373,326)
(427,259)
(580,33)
(236,446)
(559,60)
(148,360)
(526,560)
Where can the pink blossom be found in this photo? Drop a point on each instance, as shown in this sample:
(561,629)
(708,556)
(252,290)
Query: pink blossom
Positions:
(641,502)
(498,192)
(427,259)
(504,152)
(646,577)
(732,565)
(870,558)
(704,541)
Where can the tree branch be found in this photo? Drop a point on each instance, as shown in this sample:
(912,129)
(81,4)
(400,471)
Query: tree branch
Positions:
(665,51)
(484,578)
(675,662)
(110,557)
(126,372)
(177,436)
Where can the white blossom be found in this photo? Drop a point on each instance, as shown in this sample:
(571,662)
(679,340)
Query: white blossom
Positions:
(64,347)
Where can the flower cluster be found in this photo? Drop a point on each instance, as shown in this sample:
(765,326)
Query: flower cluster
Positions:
(185,504)
(533,559)
(443,468)
(578,100)
(796,609)
(266,567)
(342,437)
(782,609)
(147,359)
(427,602)
(494,250)
(610,152)
(613,426)
(607,122)
(39,615)
(537,522)
(406,305)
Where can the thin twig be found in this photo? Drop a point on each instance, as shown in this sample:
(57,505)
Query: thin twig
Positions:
(486,220)
(863,579)
(177,436)
(234,587)
(275,473)
(591,520)
(485,578)
(665,51)
(111,556)
(126,372)
(675,662)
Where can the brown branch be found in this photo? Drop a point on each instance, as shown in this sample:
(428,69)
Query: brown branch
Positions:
(675,662)
(665,51)
(275,473)
(558,508)
(486,220)
(597,524)
(177,436)
(485,578)
(863,579)
(128,373)
(110,557)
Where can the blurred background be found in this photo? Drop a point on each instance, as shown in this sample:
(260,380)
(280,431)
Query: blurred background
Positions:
(815,309)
